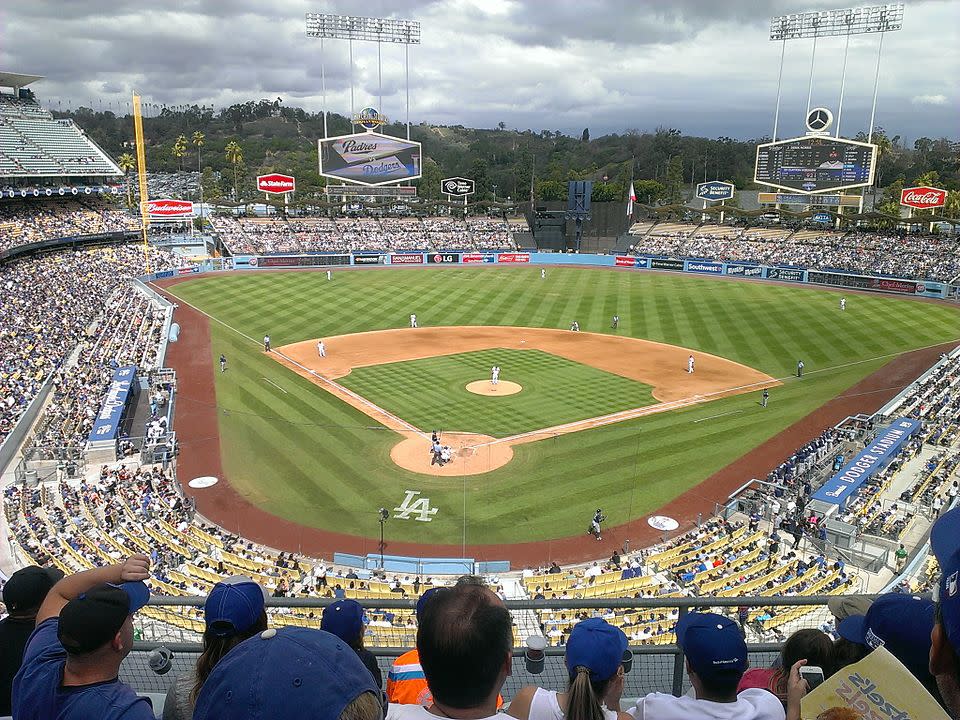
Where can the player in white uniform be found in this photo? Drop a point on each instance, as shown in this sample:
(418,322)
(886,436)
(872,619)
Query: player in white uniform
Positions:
(690,364)
(543,273)
(321,349)
(329,275)
(843,303)
(266,343)
(496,375)
(413,320)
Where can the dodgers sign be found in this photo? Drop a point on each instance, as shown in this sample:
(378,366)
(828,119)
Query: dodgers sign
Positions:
(715,190)
(106,426)
(871,460)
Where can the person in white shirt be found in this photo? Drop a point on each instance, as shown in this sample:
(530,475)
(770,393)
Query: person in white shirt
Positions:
(716,658)
(594,660)
(321,348)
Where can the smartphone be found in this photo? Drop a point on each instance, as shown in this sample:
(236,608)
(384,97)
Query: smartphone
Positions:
(812,674)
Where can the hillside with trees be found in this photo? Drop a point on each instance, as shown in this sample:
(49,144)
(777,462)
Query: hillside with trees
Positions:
(233,145)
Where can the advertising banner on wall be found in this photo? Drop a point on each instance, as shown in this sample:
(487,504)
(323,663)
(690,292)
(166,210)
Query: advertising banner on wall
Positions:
(474,258)
(302,260)
(765,198)
(368,259)
(106,425)
(406,259)
(443,258)
(624,261)
(785,274)
(168,208)
(513,257)
(369,158)
(861,282)
(665,264)
(704,267)
(745,270)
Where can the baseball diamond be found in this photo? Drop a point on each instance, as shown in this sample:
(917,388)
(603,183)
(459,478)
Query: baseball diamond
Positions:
(307,455)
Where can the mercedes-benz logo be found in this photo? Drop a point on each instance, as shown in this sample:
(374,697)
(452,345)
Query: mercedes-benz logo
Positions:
(819,119)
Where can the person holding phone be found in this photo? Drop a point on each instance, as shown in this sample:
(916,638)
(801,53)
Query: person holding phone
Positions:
(811,645)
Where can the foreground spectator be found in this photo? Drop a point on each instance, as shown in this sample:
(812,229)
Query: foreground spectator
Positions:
(233,612)
(594,660)
(810,645)
(465,641)
(84,631)
(716,658)
(406,683)
(23,595)
(344,618)
(291,673)
(945,639)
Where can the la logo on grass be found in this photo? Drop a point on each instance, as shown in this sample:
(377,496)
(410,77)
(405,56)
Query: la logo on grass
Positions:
(420,508)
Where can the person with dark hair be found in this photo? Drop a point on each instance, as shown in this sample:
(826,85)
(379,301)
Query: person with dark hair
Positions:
(84,631)
(292,673)
(716,658)
(23,595)
(811,645)
(594,660)
(465,641)
(345,619)
(945,637)
(234,611)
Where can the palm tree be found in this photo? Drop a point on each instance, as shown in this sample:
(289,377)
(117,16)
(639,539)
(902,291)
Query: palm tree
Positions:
(198,138)
(180,149)
(126,163)
(234,157)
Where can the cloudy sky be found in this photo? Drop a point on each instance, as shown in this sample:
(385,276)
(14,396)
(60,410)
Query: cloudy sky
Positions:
(704,66)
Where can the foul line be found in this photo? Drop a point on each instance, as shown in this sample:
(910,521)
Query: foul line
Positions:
(275,385)
(711,417)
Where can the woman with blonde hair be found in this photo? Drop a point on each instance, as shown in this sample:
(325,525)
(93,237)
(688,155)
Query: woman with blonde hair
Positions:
(594,660)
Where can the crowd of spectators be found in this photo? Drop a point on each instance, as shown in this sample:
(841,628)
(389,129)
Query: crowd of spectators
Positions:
(911,256)
(24,222)
(72,305)
(255,235)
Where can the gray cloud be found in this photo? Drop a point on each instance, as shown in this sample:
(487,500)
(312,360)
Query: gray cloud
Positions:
(700,65)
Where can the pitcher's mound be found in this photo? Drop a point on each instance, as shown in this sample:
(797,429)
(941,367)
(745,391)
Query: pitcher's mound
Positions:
(471,456)
(484,387)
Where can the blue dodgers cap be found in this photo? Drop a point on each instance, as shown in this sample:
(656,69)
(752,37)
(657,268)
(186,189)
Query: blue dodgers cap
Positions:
(712,644)
(945,541)
(596,645)
(233,606)
(900,623)
(287,673)
(344,618)
(93,618)
(424,599)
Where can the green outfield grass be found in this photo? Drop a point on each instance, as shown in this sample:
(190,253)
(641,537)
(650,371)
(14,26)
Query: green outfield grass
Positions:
(430,393)
(306,456)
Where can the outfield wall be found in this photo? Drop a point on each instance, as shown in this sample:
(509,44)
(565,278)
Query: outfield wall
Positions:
(800,275)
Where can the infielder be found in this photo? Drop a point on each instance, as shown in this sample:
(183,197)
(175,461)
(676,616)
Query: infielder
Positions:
(616,322)
(799,368)
(764,396)
(223,362)
(843,303)
(690,365)
(266,343)
(321,349)
(543,273)
(575,326)
(413,320)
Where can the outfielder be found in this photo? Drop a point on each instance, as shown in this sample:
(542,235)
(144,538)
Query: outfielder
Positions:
(690,365)
(321,348)
(329,275)
(843,303)
(799,368)
(413,320)
(223,362)
(543,273)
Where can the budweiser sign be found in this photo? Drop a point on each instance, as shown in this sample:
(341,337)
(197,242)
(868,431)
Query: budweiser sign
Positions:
(276,183)
(923,198)
(167,208)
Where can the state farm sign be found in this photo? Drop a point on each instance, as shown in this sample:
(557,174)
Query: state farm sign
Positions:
(168,208)
(276,183)
(923,198)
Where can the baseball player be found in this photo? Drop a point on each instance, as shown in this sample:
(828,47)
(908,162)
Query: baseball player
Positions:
(616,322)
(843,303)
(321,348)
(223,362)
(329,275)
(690,365)
(266,343)
(598,518)
(799,368)
(413,320)
(543,273)
(496,375)
(575,326)
(764,396)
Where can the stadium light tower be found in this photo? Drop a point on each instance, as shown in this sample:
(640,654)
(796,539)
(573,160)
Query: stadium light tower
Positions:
(378,30)
(833,23)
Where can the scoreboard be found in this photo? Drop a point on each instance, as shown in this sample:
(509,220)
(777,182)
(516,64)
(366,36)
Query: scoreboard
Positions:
(815,164)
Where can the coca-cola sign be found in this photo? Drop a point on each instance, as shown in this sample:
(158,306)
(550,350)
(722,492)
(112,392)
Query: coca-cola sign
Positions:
(276,183)
(923,198)
(168,208)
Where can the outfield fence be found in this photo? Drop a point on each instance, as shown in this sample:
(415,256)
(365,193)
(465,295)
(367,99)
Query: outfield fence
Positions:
(657,666)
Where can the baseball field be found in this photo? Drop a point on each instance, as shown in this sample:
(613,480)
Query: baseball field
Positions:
(603,418)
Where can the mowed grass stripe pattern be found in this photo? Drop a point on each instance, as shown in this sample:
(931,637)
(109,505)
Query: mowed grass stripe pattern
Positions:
(431,393)
(308,457)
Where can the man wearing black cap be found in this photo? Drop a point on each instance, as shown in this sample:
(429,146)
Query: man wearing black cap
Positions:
(84,631)
(23,594)
(716,657)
